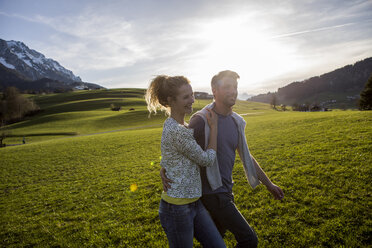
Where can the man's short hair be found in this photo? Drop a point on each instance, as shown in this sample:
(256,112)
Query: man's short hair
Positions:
(223,74)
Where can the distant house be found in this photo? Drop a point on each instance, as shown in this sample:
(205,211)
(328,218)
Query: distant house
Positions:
(79,87)
(309,108)
(202,95)
(352,97)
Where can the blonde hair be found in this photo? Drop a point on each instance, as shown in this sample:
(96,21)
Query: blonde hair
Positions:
(162,87)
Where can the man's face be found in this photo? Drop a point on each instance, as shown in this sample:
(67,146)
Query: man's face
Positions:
(226,91)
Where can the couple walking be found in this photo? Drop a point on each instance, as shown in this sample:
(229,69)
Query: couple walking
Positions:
(197,163)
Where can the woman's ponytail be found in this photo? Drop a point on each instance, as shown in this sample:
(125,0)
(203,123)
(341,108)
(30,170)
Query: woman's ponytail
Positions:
(162,87)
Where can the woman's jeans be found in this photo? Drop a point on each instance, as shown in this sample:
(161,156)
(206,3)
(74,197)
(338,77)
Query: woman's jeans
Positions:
(182,223)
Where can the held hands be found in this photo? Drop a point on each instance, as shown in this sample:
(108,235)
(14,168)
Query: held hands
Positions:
(276,191)
(212,118)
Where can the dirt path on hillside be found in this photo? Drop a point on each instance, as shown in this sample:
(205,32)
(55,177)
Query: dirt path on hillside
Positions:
(112,131)
(258,113)
(119,130)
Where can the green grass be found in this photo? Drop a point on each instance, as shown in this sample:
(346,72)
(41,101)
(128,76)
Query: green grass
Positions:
(323,161)
(74,192)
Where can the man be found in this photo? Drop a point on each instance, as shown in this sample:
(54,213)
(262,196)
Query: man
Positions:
(217,180)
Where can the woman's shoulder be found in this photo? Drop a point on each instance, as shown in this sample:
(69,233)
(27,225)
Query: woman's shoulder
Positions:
(173,127)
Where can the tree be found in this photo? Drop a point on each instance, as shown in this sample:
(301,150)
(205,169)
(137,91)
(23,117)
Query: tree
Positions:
(273,101)
(14,106)
(295,107)
(4,132)
(365,102)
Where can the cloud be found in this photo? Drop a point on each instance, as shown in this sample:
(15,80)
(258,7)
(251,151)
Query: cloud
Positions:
(125,43)
(104,41)
(313,30)
(18,16)
(108,41)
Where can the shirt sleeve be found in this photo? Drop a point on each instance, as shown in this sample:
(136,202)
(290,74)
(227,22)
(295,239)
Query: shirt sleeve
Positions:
(185,144)
(197,123)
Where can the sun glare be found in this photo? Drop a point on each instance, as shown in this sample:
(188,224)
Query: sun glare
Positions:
(240,44)
(133,187)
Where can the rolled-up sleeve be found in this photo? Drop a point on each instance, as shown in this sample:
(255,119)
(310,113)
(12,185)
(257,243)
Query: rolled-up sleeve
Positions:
(186,144)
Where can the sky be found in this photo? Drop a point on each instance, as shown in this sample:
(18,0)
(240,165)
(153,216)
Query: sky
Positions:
(126,43)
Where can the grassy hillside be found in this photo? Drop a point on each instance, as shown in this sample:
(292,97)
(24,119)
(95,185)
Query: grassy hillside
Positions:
(83,112)
(87,112)
(76,192)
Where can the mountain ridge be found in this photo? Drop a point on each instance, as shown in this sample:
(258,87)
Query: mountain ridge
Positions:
(338,88)
(32,64)
(28,69)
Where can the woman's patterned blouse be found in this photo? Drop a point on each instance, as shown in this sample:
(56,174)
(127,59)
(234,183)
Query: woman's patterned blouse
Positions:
(181,157)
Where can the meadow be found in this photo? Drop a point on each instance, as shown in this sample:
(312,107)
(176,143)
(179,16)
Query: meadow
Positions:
(89,177)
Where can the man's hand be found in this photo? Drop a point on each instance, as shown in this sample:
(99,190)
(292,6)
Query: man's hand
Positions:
(276,191)
(165,180)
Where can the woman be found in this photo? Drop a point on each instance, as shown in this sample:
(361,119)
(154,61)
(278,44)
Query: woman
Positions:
(182,215)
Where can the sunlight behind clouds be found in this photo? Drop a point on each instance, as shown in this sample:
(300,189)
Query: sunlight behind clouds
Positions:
(241,44)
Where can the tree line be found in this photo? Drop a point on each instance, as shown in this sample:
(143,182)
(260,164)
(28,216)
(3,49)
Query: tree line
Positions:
(364,103)
(343,84)
(15,107)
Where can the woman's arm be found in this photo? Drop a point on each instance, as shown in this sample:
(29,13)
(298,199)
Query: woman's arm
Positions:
(186,144)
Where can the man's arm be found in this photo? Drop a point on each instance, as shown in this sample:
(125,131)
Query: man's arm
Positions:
(197,123)
(264,179)
(275,190)
(165,180)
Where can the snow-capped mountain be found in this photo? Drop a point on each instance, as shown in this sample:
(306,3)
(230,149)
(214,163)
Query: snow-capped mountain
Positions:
(31,64)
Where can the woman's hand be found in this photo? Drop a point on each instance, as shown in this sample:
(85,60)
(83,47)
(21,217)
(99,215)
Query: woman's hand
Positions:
(212,118)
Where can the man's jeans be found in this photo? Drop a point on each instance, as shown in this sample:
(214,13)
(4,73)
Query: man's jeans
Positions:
(182,223)
(226,216)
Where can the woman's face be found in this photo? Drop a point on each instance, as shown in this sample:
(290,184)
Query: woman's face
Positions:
(184,100)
